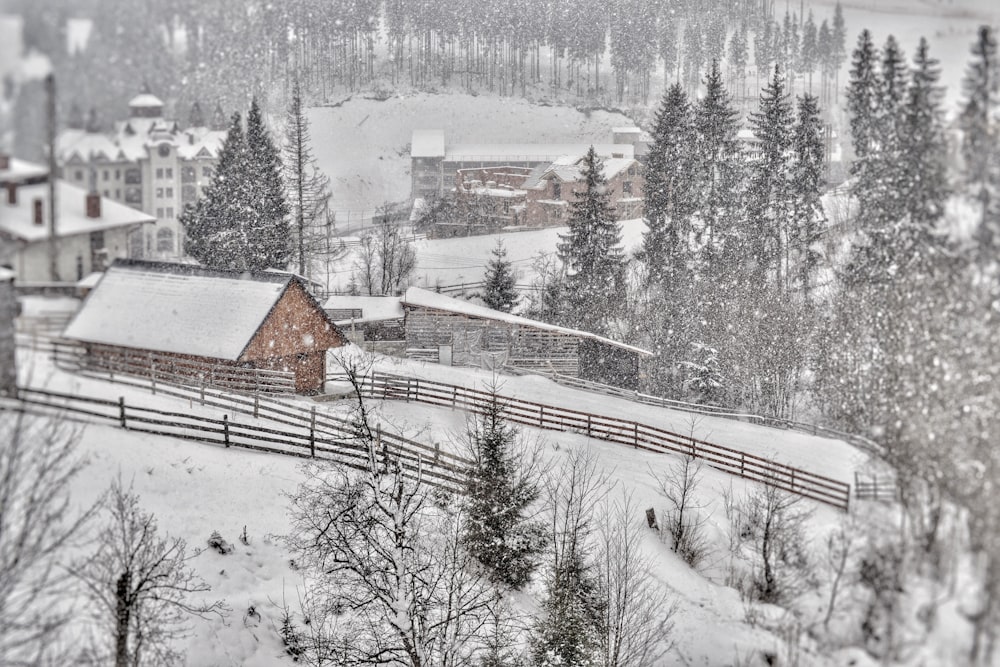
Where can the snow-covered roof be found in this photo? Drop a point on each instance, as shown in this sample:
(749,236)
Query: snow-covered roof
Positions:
(145,100)
(88,146)
(18,220)
(422,298)
(6,275)
(572,172)
(533,152)
(18,171)
(90,280)
(373,308)
(427,143)
(177,308)
(202,145)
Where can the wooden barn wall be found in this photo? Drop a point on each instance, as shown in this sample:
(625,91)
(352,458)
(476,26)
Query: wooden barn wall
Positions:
(296,325)
(487,343)
(608,364)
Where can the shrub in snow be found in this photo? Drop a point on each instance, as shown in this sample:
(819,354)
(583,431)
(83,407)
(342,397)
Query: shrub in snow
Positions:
(216,542)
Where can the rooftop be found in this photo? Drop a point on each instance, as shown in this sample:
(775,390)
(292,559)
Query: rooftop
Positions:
(373,308)
(145,100)
(533,152)
(19,171)
(177,308)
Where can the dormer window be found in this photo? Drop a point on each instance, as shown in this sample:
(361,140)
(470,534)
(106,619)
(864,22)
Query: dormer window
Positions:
(556,190)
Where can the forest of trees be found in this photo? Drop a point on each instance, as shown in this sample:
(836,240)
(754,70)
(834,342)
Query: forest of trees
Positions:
(589,51)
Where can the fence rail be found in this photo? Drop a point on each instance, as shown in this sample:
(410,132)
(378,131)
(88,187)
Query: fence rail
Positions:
(626,432)
(875,487)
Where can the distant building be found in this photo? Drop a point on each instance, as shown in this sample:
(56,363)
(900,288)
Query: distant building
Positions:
(146,162)
(434,161)
(91,231)
(216,327)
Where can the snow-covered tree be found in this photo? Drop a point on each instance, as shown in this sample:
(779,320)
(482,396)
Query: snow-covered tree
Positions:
(499,291)
(307,187)
(863,98)
(807,181)
(500,531)
(267,223)
(980,123)
(386,259)
(592,253)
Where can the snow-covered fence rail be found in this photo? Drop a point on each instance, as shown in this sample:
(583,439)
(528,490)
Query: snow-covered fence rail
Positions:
(861,442)
(875,487)
(626,432)
(316,437)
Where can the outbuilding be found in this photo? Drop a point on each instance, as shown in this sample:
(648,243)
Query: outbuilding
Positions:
(224,327)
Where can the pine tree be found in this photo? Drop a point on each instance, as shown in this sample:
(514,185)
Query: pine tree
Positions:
(810,48)
(981,132)
(923,150)
(500,533)
(839,46)
(267,224)
(863,98)
(824,55)
(669,189)
(738,57)
(308,187)
(592,252)
(499,292)
(769,197)
(567,633)
(716,125)
(807,184)
(196,117)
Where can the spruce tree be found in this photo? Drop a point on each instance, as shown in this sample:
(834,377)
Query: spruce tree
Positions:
(568,632)
(824,57)
(499,533)
(196,118)
(267,223)
(839,46)
(923,150)
(981,131)
(807,185)
(716,124)
(669,189)
(810,49)
(308,187)
(499,292)
(863,98)
(591,252)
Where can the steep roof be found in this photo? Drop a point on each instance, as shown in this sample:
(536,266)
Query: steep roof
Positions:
(569,171)
(71,215)
(421,298)
(373,308)
(177,308)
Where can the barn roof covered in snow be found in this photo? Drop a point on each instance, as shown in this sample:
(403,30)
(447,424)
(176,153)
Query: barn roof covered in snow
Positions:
(373,308)
(178,308)
(421,298)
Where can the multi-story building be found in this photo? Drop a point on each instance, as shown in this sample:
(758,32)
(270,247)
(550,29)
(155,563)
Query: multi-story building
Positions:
(146,162)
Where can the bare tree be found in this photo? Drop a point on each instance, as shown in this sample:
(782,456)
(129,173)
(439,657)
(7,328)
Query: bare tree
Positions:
(385,258)
(37,463)
(141,584)
(842,545)
(636,612)
(683,521)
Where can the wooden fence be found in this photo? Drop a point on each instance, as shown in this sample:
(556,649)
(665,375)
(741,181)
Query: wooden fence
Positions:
(291,430)
(168,369)
(626,432)
(875,487)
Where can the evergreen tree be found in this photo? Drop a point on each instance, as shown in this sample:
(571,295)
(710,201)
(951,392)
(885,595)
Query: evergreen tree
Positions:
(807,184)
(716,125)
(923,153)
(196,117)
(980,124)
(592,252)
(568,633)
(500,534)
(267,223)
(738,58)
(824,56)
(669,189)
(810,48)
(863,98)
(308,187)
(499,292)
(839,46)
(694,52)
(768,201)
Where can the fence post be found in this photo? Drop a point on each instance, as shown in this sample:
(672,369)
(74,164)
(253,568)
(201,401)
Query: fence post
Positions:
(152,369)
(225,429)
(743,464)
(791,484)
(541,415)
(588,424)
(121,411)
(312,432)
(202,388)
(256,402)
(635,435)
(454,397)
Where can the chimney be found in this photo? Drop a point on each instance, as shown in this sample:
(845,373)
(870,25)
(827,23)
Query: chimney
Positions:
(12,193)
(4,161)
(93,205)
(37,205)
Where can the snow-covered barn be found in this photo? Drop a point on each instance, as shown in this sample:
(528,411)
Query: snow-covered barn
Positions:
(451,331)
(186,319)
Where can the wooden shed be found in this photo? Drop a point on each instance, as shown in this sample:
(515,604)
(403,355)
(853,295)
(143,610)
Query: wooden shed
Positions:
(230,327)
(453,331)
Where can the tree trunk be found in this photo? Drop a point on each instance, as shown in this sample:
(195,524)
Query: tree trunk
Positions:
(124,613)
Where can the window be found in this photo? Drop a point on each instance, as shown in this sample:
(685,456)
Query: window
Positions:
(118,194)
(556,190)
(164,150)
(206,172)
(189,193)
(188,175)
(164,240)
(626,187)
(170,192)
(170,212)
(133,176)
(159,212)
(159,192)
(159,172)
(133,196)
(118,174)
(107,194)
(106,175)
(78,174)
(170,172)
